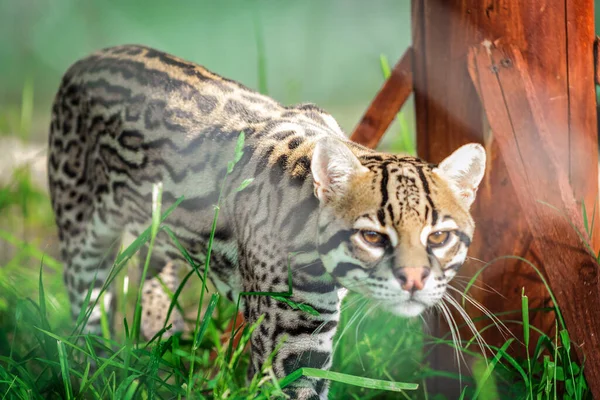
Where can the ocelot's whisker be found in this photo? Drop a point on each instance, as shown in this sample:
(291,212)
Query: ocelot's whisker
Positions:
(476,259)
(353,319)
(424,320)
(497,322)
(304,266)
(373,307)
(356,285)
(463,285)
(343,308)
(470,324)
(350,303)
(454,332)
(489,288)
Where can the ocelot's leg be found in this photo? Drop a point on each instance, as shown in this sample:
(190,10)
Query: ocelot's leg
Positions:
(88,252)
(89,223)
(160,284)
(309,339)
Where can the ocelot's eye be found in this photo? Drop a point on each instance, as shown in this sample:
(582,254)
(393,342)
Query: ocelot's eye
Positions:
(374,238)
(438,239)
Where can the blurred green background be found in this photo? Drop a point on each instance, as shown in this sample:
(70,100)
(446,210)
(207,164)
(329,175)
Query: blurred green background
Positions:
(325,52)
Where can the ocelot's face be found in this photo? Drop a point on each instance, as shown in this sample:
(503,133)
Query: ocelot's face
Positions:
(398,229)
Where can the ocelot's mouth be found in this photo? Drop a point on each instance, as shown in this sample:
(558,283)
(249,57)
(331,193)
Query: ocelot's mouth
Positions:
(408,308)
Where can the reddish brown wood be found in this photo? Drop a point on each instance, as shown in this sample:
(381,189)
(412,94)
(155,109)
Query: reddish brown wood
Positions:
(386,104)
(419,76)
(449,114)
(555,40)
(519,126)
(596,61)
(583,129)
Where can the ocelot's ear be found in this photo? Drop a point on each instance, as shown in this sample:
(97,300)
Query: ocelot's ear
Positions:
(463,170)
(332,166)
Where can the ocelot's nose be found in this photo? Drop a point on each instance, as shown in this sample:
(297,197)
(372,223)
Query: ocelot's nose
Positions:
(412,278)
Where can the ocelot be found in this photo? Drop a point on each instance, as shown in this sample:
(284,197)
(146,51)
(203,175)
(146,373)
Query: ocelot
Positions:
(393,228)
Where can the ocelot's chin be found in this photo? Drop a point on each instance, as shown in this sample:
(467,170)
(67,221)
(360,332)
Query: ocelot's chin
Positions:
(409,308)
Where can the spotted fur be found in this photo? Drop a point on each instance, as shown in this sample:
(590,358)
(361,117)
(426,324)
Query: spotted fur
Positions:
(128,117)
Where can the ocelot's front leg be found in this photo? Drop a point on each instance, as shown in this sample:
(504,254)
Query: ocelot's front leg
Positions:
(304,340)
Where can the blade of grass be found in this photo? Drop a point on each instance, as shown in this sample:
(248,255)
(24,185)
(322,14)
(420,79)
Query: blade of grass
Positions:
(261,59)
(555,356)
(586,243)
(18,316)
(347,379)
(98,373)
(198,336)
(566,341)
(181,249)
(124,386)
(593,217)
(41,294)
(405,137)
(58,338)
(64,368)
(525,314)
(144,237)
(31,250)
(176,294)
(156,220)
(26,109)
(214,298)
(536,269)
(84,379)
(490,368)
(248,329)
(104,319)
(585,219)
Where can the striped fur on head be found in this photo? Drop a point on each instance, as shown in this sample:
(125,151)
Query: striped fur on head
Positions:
(405,201)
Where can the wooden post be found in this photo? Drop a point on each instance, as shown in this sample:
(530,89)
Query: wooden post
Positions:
(556,39)
(386,104)
(512,108)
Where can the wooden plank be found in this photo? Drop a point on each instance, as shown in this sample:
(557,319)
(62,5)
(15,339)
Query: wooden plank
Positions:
(583,128)
(596,61)
(386,104)
(520,128)
(419,76)
(449,114)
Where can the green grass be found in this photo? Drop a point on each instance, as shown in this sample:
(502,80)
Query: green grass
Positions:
(377,355)
(18,120)
(42,354)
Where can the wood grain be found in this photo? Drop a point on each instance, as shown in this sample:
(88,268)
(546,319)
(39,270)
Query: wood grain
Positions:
(554,39)
(386,104)
(596,61)
(583,129)
(448,115)
(519,125)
